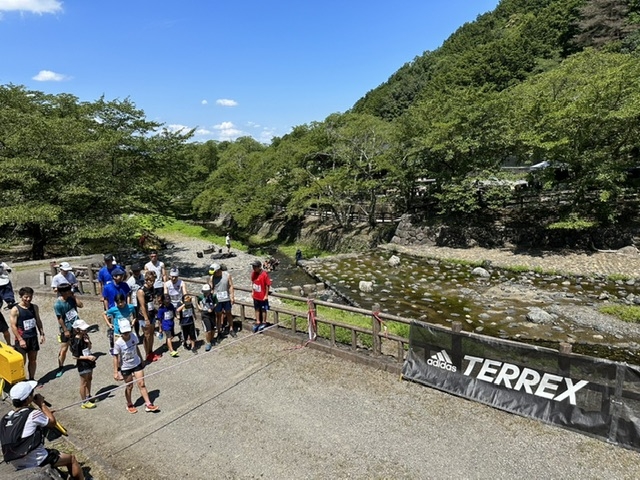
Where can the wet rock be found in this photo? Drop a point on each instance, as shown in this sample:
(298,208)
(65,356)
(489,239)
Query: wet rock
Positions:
(537,315)
(480,272)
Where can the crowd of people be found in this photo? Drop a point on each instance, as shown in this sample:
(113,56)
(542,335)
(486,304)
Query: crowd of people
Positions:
(139,306)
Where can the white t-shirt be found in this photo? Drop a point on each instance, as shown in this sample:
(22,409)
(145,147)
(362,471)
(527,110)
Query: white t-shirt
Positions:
(135,284)
(4,274)
(175,291)
(128,351)
(61,278)
(36,456)
(157,268)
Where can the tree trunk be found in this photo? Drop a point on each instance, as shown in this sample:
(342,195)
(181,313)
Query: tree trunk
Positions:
(38,241)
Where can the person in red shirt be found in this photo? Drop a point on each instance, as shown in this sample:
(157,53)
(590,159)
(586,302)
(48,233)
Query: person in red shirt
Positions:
(260,282)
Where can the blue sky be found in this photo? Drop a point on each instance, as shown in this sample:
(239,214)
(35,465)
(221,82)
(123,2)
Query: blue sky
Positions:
(233,68)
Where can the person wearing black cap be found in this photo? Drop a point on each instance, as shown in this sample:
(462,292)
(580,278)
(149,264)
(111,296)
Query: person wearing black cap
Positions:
(22,437)
(260,283)
(113,288)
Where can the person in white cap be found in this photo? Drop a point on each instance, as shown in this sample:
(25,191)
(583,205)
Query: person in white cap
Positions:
(132,366)
(206,305)
(6,295)
(66,310)
(65,275)
(22,437)
(175,288)
(85,360)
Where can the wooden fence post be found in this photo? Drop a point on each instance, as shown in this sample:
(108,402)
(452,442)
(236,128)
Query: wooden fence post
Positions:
(92,280)
(375,326)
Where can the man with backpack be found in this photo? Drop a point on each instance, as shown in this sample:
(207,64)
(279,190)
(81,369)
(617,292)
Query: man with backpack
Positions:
(22,436)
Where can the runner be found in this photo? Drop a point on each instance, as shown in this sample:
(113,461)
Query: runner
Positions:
(66,310)
(6,295)
(85,360)
(25,325)
(166,315)
(222,285)
(132,367)
(147,311)
(122,311)
(206,305)
(260,282)
(175,288)
(156,266)
(186,313)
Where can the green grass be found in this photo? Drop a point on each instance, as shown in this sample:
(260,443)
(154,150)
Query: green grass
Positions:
(307,252)
(614,277)
(343,335)
(195,231)
(628,313)
(523,269)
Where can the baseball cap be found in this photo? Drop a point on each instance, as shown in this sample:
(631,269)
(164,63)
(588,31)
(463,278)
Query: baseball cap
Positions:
(22,390)
(117,271)
(213,268)
(174,272)
(124,326)
(256,263)
(136,267)
(206,287)
(108,257)
(66,266)
(64,287)
(80,324)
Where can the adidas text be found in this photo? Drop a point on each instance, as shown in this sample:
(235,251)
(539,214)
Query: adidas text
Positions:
(442,360)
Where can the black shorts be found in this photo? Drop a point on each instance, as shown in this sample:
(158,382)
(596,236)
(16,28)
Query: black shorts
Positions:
(208,322)
(4,327)
(261,305)
(128,373)
(33,345)
(53,457)
(188,331)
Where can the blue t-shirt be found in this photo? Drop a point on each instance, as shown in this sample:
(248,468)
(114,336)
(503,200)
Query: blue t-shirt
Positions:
(104,275)
(118,314)
(111,290)
(166,314)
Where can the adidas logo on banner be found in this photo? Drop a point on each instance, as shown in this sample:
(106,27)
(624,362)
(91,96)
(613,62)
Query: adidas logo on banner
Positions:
(442,360)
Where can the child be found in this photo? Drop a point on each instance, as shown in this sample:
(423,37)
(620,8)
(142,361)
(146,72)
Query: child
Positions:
(166,314)
(132,366)
(85,360)
(187,322)
(116,314)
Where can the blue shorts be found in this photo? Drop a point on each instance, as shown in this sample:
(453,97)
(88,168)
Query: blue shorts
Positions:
(262,305)
(222,307)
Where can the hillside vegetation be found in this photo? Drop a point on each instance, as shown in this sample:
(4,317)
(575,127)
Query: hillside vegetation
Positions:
(554,81)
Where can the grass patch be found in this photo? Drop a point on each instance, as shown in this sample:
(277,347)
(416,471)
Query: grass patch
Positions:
(628,313)
(524,269)
(307,252)
(186,229)
(343,335)
(614,277)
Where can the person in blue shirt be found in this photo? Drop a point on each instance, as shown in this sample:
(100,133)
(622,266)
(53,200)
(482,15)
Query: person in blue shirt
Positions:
(105,274)
(113,288)
(166,316)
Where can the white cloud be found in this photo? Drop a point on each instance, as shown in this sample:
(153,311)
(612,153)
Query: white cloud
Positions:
(177,128)
(203,131)
(253,125)
(228,131)
(266,135)
(49,76)
(204,102)
(33,6)
(225,102)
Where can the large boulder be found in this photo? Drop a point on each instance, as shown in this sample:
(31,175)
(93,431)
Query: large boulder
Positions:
(480,272)
(365,286)
(394,261)
(537,315)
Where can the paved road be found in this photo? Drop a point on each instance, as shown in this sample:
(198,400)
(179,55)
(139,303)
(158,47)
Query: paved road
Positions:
(256,408)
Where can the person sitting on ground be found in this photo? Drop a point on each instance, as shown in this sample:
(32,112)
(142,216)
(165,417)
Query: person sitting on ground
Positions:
(206,304)
(85,360)
(186,313)
(25,325)
(132,367)
(22,437)
(166,315)
(66,310)
(65,275)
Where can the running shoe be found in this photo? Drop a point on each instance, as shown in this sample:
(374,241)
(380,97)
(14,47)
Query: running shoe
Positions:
(207,347)
(151,408)
(156,357)
(233,333)
(88,404)
(174,354)
(160,336)
(59,372)
(132,409)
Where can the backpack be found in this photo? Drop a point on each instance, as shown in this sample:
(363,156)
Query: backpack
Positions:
(11,428)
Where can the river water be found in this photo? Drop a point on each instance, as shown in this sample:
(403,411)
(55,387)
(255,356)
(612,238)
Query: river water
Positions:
(440,293)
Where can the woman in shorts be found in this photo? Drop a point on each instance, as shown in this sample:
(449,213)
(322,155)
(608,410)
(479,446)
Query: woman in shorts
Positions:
(147,311)
(85,360)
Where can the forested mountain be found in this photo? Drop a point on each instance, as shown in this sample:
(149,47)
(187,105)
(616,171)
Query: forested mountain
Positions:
(520,38)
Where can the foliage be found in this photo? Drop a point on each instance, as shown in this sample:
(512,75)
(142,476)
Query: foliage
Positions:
(628,313)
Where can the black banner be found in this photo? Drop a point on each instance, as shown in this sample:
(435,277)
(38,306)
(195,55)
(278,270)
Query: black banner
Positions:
(588,395)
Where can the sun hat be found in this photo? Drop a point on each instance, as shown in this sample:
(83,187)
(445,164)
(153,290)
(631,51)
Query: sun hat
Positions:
(65,266)
(80,324)
(124,326)
(22,390)
(174,272)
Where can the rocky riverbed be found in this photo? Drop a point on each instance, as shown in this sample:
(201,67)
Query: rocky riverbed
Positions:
(526,305)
